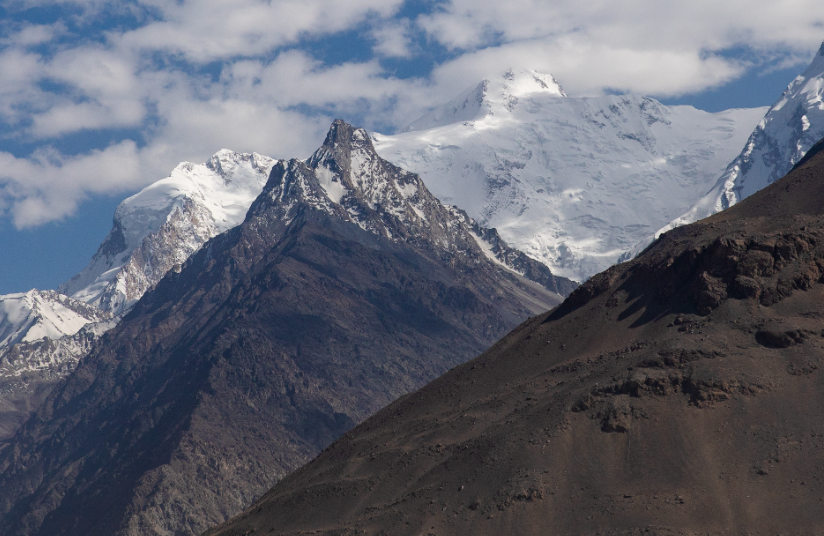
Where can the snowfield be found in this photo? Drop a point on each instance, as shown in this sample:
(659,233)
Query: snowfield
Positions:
(572,182)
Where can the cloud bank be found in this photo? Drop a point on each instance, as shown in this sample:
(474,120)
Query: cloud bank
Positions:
(104,98)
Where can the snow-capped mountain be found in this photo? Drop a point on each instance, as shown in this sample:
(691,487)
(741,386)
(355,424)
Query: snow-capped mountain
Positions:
(488,98)
(572,182)
(783,136)
(347,285)
(347,179)
(33,315)
(162,225)
(43,334)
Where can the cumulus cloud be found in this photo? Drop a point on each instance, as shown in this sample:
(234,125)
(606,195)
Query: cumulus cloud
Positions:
(209,30)
(392,40)
(659,48)
(49,186)
(585,68)
(185,79)
(34,34)
(636,24)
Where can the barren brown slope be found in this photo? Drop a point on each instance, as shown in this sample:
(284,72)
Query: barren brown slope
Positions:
(675,394)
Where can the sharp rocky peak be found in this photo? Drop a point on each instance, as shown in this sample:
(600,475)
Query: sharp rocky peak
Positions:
(347,179)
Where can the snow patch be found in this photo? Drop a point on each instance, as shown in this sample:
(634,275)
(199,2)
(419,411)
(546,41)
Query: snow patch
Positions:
(419,212)
(486,248)
(331,184)
(408,190)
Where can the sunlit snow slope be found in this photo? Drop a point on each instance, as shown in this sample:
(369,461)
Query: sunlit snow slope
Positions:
(162,225)
(791,126)
(572,182)
(29,316)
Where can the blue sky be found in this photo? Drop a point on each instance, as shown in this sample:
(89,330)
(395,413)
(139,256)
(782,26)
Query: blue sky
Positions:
(98,98)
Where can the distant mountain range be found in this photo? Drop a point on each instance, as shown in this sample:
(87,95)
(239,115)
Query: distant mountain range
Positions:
(347,285)
(324,288)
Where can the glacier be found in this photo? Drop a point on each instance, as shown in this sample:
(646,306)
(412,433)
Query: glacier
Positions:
(571,182)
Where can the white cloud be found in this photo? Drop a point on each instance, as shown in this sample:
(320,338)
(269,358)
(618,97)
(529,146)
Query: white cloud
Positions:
(392,40)
(19,94)
(585,68)
(645,46)
(209,30)
(49,186)
(105,92)
(636,24)
(35,34)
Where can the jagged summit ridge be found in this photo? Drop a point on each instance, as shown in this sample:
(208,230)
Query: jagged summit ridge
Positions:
(348,179)
(494,95)
(163,224)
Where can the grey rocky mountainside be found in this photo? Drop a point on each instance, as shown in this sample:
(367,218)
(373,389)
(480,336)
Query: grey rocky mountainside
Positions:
(29,370)
(347,285)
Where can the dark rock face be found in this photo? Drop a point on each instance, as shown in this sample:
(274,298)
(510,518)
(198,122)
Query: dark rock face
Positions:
(345,287)
(675,394)
(27,375)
